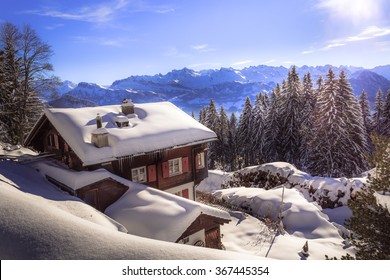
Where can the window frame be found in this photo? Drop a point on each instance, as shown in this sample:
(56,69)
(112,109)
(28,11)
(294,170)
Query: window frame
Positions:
(172,164)
(201,158)
(136,177)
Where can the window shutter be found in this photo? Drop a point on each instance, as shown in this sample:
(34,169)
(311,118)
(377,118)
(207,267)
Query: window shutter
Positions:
(152,174)
(184,164)
(185,193)
(165,169)
(197,161)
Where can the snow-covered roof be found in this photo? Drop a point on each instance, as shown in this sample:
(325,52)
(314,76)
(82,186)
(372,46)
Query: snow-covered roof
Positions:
(144,211)
(155,214)
(156,126)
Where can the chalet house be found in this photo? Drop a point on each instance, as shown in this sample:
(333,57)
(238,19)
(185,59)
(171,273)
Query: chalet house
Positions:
(155,144)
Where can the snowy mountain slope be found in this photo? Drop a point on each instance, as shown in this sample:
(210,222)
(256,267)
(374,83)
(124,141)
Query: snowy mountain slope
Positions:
(192,90)
(37,221)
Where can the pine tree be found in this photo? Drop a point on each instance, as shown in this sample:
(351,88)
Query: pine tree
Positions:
(232,156)
(309,100)
(272,126)
(244,135)
(291,119)
(365,107)
(328,130)
(338,146)
(259,112)
(356,148)
(212,122)
(386,115)
(370,221)
(223,147)
(378,112)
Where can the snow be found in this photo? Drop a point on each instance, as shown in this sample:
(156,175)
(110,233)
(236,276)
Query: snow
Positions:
(142,210)
(37,221)
(303,220)
(158,126)
(151,213)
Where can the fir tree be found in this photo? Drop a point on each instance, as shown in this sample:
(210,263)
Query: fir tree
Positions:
(309,101)
(244,135)
(386,115)
(272,126)
(223,147)
(328,131)
(356,147)
(232,155)
(259,112)
(370,221)
(365,107)
(212,122)
(291,119)
(378,112)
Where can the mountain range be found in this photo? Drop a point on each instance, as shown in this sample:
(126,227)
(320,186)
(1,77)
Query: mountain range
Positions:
(192,90)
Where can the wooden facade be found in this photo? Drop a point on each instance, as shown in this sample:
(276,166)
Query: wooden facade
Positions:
(211,225)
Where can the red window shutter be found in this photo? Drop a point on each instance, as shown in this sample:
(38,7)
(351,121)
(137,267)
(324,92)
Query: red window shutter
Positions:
(184,164)
(165,169)
(197,161)
(185,193)
(152,174)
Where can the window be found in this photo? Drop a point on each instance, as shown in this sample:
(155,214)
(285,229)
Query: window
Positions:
(175,166)
(138,174)
(200,161)
(52,140)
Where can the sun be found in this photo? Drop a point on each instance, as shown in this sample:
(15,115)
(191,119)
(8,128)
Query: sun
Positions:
(353,10)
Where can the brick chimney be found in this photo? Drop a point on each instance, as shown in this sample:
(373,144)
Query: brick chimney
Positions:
(127,107)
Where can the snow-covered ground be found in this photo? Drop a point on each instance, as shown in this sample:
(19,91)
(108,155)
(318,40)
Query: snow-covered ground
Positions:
(302,220)
(37,221)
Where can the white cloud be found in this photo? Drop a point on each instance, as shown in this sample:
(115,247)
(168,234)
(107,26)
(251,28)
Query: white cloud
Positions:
(370,32)
(202,48)
(243,62)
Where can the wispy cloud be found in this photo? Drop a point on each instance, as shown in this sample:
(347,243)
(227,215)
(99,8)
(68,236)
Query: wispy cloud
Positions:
(368,33)
(102,41)
(104,12)
(202,48)
(205,65)
(174,52)
(54,26)
(242,62)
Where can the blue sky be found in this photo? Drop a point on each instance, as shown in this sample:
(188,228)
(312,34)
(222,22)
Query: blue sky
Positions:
(105,40)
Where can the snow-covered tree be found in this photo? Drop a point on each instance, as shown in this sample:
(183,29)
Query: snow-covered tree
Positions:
(370,221)
(327,145)
(223,136)
(356,141)
(232,155)
(378,112)
(244,135)
(272,126)
(212,122)
(338,146)
(259,114)
(365,107)
(291,119)
(386,115)
(309,100)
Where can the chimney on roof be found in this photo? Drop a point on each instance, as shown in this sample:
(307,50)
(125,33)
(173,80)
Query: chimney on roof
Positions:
(127,107)
(99,137)
(99,123)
